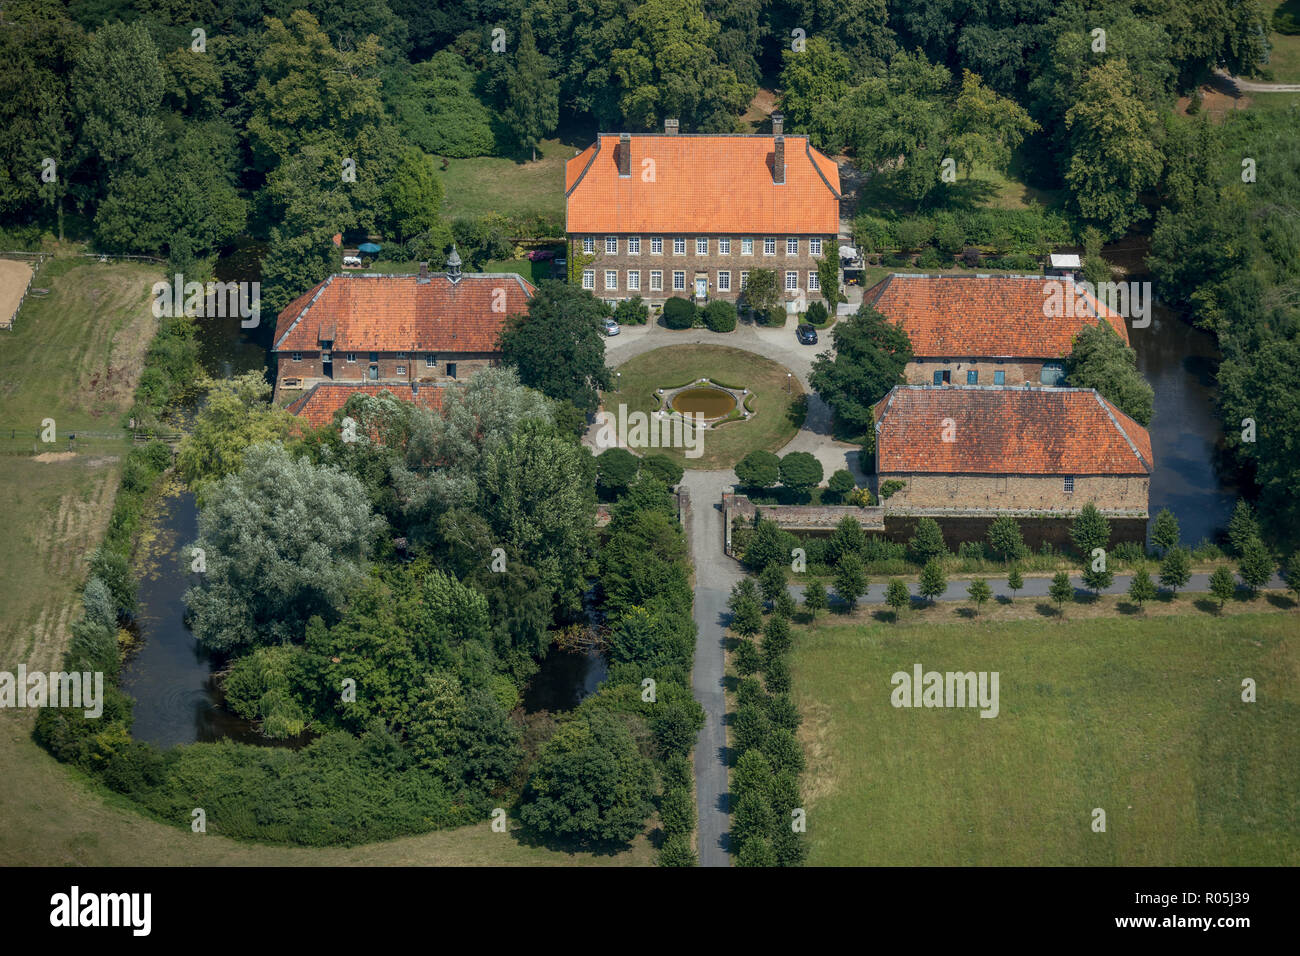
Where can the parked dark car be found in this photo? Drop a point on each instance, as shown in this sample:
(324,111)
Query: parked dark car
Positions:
(806,334)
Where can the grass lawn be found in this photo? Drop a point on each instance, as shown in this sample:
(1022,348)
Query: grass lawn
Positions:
(1284,57)
(1142,718)
(779,413)
(485,185)
(1276,103)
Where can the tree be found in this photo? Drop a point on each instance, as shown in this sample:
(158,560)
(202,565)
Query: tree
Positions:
(281,540)
(590,784)
(850,579)
(1005,538)
(558,346)
(1090,530)
(1256,565)
(237,414)
(532,104)
(1141,588)
(870,356)
(746,611)
(801,472)
(1165,533)
(758,469)
(771,544)
(1097,574)
(1243,528)
(436,109)
(1061,590)
(1114,148)
(1222,585)
(979,592)
(615,469)
(933,580)
(118,88)
(841,483)
(414,198)
(984,128)
(1015,581)
(813,81)
(783,604)
(772,581)
(663,468)
(1099,359)
(1293,574)
(897,596)
(814,597)
(1175,569)
(847,538)
(761,292)
(926,542)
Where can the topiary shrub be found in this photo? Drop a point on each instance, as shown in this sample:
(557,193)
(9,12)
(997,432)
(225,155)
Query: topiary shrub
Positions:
(679,313)
(817,315)
(720,316)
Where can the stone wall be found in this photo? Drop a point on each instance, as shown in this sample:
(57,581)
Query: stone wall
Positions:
(308,368)
(1035,530)
(965,493)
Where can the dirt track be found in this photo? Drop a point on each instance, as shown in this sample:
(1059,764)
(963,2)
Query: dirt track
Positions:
(14,276)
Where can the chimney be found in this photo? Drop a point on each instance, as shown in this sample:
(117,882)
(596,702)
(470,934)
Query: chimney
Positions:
(778,161)
(424,271)
(670,127)
(624,155)
(778,121)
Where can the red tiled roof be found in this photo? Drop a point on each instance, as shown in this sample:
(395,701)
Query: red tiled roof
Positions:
(402,313)
(702,184)
(984,316)
(318,405)
(1004,430)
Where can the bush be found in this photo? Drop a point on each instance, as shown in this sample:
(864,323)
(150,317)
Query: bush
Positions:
(872,234)
(801,471)
(631,312)
(615,469)
(930,259)
(775,317)
(663,468)
(841,483)
(679,313)
(949,236)
(897,262)
(889,487)
(720,316)
(913,234)
(817,315)
(758,469)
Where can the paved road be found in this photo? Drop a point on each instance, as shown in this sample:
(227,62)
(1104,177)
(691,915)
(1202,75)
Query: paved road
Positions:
(714,576)
(1034,588)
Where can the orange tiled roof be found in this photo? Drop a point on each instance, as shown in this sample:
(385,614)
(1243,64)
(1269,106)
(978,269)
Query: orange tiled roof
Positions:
(702,184)
(1003,430)
(383,313)
(984,316)
(318,405)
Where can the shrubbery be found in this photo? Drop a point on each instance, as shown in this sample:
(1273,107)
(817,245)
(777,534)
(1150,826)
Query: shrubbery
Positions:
(679,313)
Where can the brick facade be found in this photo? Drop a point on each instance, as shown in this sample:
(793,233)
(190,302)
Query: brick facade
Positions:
(1038,493)
(1014,371)
(307,370)
(692,264)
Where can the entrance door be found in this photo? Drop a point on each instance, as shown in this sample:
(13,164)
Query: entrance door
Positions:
(326,365)
(701,287)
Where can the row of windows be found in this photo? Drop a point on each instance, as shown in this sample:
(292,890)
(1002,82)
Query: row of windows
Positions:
(701,246)
(679,281)
(430,360)
(972,377)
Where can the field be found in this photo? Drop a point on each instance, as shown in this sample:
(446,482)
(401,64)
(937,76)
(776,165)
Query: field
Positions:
(1142,719)
(489,185)
(778,413)
(1284,58)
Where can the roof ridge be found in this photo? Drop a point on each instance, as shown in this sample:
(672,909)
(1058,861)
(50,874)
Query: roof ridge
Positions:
(321,287)
(594,153)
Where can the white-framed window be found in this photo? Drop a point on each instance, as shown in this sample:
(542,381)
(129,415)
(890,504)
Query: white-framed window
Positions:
(589,278)
(791,281)
(791,246)
(702,247)
(679,281)
(611,244)
(634,245)
(724,247)
(352,356)
(815,247)
(633,280)
(657,245)
(746,247)
(588,244)
(431,361)
(297,356)
(814,284)
(724,281)
(769,247)
(656,280)
(401,370)
(1069,484)
(611,279)
(679,246)
(744,279)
